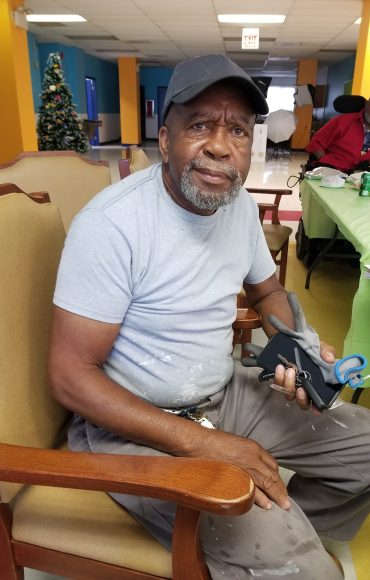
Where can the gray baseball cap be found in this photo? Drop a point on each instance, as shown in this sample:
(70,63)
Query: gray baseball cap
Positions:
(192,77)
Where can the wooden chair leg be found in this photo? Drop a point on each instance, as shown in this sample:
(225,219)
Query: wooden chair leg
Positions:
(8,568)
(245,337)
(187,559)
(283,263)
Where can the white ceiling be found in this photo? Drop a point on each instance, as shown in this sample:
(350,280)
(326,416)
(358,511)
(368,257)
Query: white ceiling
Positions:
(163,32)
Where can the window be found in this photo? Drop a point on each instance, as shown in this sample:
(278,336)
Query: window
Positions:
(280,98)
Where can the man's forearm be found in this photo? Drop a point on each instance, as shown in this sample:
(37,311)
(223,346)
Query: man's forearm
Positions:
(269,297)
(276,303)
(95,396)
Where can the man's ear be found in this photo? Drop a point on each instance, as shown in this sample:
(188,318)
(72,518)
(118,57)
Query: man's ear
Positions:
(163,142)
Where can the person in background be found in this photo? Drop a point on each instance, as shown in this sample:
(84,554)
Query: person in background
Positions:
(142,332)
(343,143)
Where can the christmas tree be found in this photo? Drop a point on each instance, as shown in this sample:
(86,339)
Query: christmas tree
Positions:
(59,127)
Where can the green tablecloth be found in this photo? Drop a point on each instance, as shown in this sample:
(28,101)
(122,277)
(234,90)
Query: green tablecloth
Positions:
(344,207)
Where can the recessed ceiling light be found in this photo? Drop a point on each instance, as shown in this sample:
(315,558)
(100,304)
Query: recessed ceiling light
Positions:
(251,18)
(358,21)
(55,18)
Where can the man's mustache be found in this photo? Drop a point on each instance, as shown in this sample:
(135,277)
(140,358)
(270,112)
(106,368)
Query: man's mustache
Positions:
(208,164)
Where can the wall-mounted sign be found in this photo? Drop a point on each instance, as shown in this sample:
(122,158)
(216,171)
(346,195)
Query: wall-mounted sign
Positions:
(250,38)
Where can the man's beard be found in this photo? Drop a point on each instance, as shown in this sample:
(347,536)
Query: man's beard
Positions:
(209,200)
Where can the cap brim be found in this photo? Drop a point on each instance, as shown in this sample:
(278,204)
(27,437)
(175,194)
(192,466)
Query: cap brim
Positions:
(253,95)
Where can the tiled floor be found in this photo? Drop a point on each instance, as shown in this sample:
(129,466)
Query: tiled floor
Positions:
(273,173)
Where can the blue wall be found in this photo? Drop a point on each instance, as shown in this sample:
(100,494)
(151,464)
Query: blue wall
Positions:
(35,69)
(76,66)
(152,77)
(338,75)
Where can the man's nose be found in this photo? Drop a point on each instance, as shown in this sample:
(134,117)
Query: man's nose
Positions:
(217,144)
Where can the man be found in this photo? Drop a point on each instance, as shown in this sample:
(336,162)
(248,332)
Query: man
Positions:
(344,142)
(145,300)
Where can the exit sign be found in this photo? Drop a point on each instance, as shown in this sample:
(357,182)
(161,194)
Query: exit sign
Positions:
(250,38)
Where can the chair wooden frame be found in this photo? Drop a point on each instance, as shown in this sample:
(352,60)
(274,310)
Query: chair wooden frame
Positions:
(190,483)
(275,226)
(247,319)
(70,178)
(25,154)
(125,164)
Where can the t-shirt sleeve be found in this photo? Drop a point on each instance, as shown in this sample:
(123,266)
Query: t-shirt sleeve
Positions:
(94,278)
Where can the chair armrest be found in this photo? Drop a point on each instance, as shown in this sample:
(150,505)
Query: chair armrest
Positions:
(246,318)
(200,484)
(270,191)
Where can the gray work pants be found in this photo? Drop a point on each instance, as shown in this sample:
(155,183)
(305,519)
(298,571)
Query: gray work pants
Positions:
(330,492)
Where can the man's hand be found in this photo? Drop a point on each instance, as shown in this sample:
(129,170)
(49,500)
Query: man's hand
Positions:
(286,379)
(249,455)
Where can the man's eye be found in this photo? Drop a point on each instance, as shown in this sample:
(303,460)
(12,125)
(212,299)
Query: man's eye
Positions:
(200,126)
(239,132)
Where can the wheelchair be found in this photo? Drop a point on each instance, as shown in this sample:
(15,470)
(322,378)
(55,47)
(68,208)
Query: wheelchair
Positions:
(307,249)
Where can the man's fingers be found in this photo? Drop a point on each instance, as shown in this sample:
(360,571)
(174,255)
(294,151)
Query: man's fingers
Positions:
(285,378)
(262,500)
(302,399)
(272,487)
(327,352)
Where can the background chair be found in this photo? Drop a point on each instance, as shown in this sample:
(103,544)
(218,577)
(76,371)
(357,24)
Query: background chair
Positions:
(135,160)
(247,319)
(70,179)
(53,514)
(277,235)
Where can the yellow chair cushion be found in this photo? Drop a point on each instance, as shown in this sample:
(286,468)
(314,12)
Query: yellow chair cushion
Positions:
(139,160)
(89,524)
(276,236)
(31,239)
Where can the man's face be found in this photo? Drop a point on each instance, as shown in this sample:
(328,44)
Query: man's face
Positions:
(206,148)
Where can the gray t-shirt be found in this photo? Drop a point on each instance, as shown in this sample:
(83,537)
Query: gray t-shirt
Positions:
(169,277)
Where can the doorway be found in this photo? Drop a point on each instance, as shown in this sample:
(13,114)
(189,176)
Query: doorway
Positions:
(161,93)
(92,107)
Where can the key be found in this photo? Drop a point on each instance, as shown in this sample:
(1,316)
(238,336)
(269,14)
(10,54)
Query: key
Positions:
(301,374)
(286,363)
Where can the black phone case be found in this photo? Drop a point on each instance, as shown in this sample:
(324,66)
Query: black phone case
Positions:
(322,394)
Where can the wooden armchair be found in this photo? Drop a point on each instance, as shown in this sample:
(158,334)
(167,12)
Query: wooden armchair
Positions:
(70,179)
(54,514)
(135,160)
(277,235)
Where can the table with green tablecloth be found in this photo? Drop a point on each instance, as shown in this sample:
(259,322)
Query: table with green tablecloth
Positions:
(323,209)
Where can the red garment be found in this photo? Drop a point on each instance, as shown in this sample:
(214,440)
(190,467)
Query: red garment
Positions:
(341,138)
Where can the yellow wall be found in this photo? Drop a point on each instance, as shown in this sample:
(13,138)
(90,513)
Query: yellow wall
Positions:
(17,116)
(361,77)
(129,101)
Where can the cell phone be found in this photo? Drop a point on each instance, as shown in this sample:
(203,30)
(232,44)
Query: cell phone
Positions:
(321,394)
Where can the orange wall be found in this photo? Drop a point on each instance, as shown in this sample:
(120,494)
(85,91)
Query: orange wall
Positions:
(17,117)
(129,101)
